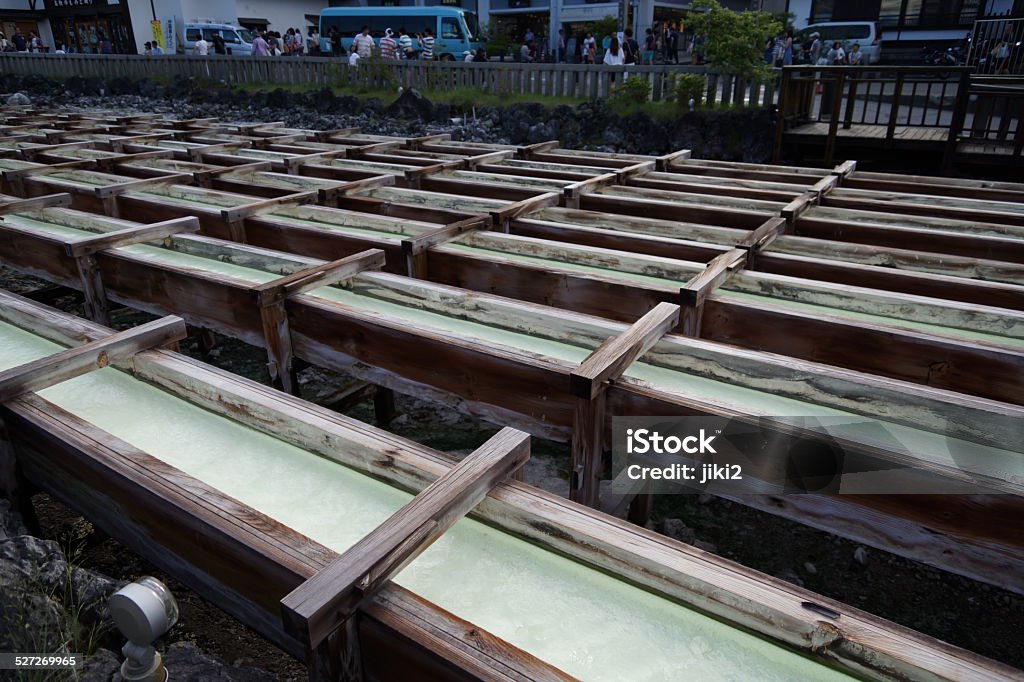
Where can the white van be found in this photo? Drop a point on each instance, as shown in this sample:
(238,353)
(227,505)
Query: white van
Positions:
(867,33)
(237,40)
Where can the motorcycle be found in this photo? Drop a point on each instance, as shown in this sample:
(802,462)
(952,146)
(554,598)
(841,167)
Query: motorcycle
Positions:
(950,57)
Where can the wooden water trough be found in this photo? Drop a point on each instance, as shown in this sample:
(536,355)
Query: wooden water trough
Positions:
(832,268)
(522,363)
(228,543)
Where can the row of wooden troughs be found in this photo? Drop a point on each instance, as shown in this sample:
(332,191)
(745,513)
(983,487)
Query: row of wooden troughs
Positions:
(543,289)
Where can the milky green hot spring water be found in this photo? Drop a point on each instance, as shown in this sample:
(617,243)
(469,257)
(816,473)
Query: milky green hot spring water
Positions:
(580,620)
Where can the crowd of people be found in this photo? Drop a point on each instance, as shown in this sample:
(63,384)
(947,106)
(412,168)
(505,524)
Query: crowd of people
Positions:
(19,42)
(662,43)
(780,51)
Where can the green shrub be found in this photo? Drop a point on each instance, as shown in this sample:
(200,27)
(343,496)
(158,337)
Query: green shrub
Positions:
(632,90)
(689,86)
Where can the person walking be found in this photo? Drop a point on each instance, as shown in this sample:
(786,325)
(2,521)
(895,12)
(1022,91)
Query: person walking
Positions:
(427,43)
(363,43)
(561,46)
(388,45)
(614,55)
(219,46)
(313,43)
(404,44)
(814,50)
(260,46)
(630,48)
(201,47)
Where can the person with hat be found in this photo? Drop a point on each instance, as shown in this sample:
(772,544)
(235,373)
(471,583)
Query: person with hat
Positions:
(814,50)
(388,45)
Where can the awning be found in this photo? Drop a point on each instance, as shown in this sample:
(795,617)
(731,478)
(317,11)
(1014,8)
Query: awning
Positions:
(252,21)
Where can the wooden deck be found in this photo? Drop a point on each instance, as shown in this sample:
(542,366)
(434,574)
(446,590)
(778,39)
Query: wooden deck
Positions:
(929,136)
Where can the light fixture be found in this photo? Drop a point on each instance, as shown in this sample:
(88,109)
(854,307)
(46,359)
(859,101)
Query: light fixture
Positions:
(143,611)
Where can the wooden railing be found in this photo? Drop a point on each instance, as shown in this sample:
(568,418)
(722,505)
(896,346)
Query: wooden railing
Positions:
(982,108)
(558,80)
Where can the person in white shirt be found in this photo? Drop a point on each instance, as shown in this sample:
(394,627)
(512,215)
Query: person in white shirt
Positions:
(201,48)
(363,43)
(614,55)
(353,57)
(856,56)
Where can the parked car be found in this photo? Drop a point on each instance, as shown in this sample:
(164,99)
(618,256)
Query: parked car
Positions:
(237,40)
(867,33)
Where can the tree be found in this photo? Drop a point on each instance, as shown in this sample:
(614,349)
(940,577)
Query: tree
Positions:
(734,41)
(604,27)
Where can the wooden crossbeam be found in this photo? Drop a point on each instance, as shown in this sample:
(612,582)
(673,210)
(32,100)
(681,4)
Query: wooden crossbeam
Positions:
(573,192)
(272,298)
(323,603)
(415,247)
(204,178)
(588,383)
(10,175)
(696,291)
(664,163)
(235,216)
(825,185)
(109,162)
(490,157)
(326,135)
(67,364)
(528,150)
(844,169)
(109,193)
(506,214)
(294,163)
(413,177)
(30,153)
(758,239)
(793,209)
(35,203)
(617,353)
(366,184)
(87,246)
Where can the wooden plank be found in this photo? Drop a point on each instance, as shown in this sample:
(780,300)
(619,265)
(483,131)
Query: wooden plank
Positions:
(763,236)
(793,209)
(664,162)
(695,292)
(53,369)
(320,275)
(609,360)
(35,203)
(503,216)
(324,602)
(415,247)
(86,246)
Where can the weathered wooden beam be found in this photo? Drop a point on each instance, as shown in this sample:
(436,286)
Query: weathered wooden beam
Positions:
(415,247)
(323,603)
(665,161)
(272,299)
(87,246)
(109,193)
(760,238)
(235,216)
(825,185)
(696,291)
(473,161)
(844,169)
(573,192)
(204,178)
(35,203)
(617,353)
(506,214)
(793,209)
(68,364)
(528,150)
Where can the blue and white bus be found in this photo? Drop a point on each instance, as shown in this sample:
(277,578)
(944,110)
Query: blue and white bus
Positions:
(456,31)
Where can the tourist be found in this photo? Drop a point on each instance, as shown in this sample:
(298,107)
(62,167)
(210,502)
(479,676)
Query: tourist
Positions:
(837,55)
(813,51)
(201,47)
(589,48)
(426,41)
(313,42)
(363,43)
(526,52)
(528,36)
(614,55)
(336,46)
(20,44)
(630,48)
(273,43)
(650,44)
(104,44)
(480,55)
(856,56)
(405,50)
(35,43)
(219,46)
(353,56)
(561,46)
(388,45)
(157,50)
(147,48)
(769,50)
(260,46)
(1001,55)
(298,43)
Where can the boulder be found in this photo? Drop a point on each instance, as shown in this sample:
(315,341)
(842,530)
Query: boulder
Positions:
(18,99)
(411,105)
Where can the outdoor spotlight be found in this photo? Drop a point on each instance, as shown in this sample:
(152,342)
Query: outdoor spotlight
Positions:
(143,611)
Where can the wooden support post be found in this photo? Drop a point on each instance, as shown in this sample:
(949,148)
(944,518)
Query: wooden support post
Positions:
(414,177)
(894,112)
(695,292)
(272,297)
(322,604)
(415,247)
(844,169)
(491,157)
(589,382)
(956,125)
(833,122)
(97,307)
(824,186)
(504,216)
(384,410)
(528,150)
(13,485)
(68,364)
